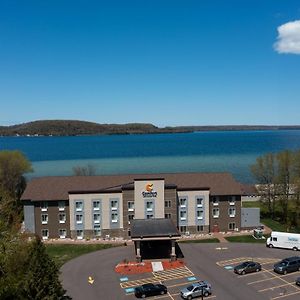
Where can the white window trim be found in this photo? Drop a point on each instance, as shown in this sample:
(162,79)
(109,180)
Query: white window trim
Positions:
(216,216)
(130,209)
(79,221)
(45,237)
(114,221)
(78,208)
(96,208)
(44,222)
(232,215)
(44,209)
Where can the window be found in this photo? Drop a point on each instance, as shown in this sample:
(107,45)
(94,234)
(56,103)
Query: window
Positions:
(79,219)
(168,216)
(168,203)
(215,201)
(114,204)
(130,217)
(61,205)
(78,205)
(231,212)
(130,206)
(199,202)
(183,215)
(200,214)
(183,202)
(62,218)
(97,230)
(114,218)
(79,234)
(200,228)
(231,226)
(96,205)
(150,216)
(45,234)
(44,206)
(62,233)
(182,228)
(44,218)
(216,213)
(149,206)
(232,200)
(96,218)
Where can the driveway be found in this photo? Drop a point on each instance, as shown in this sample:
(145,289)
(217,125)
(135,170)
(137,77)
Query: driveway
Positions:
(212,262)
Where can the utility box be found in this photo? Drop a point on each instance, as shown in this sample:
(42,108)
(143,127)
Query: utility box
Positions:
(258,233)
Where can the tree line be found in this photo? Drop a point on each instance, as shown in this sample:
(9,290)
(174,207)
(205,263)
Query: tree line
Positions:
(278,178)
(26,270)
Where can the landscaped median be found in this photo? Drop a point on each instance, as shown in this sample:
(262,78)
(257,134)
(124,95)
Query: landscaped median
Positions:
(212,240)
(61,253)
(245,239)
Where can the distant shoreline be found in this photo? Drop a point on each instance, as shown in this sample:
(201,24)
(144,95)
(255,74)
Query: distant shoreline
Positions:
(83,128)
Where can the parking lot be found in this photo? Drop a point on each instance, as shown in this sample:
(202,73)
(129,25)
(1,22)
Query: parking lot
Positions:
(267,282)
(211,262)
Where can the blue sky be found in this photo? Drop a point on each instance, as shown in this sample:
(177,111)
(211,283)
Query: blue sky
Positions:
(171,62)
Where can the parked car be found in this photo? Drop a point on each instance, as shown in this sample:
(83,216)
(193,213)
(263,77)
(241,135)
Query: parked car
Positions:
(247,267)
(150,289)
(298,281)
(287,265)
(196,290)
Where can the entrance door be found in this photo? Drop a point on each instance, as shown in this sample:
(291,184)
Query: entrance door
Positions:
(216,228)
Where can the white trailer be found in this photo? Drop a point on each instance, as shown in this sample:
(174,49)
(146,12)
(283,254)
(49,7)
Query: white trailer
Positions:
(285,240)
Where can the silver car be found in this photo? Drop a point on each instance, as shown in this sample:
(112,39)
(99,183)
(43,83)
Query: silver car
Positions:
(196,290)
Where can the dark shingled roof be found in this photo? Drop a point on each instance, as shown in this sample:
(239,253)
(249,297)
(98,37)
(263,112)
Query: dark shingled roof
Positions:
(248,190)
(153,228)
(58,187)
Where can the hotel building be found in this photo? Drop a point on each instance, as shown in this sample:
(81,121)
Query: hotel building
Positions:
(104,206)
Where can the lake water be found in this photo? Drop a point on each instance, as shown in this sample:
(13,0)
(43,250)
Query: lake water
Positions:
(219,151)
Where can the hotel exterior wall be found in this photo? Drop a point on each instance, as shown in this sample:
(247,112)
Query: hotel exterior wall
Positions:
(222,222)
(171,195)
(139,188)
(105,212)
(53,224)
(192,207)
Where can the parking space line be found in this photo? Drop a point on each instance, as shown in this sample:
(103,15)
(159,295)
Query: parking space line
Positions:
(223,263)
(184,283)
(262,280)
(158,278)
(286,295)
(255,273)
(275,287)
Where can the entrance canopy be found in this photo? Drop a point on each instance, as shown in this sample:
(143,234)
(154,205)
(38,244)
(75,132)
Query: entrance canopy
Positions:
(153,229)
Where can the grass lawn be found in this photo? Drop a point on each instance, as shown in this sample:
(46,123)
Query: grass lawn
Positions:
(245,239)
(201,241)
(63,253)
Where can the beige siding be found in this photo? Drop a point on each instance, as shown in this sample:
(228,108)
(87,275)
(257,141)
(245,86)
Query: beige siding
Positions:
(191,206)
(88,214)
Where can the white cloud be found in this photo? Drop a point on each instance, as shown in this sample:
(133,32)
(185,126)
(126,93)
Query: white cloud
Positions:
(288,40)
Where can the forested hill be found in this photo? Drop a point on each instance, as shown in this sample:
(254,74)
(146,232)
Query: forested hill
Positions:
(71,128)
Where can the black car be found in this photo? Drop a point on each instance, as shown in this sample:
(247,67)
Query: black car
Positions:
(287,265)
(150,289)
(298,281)
(247,267)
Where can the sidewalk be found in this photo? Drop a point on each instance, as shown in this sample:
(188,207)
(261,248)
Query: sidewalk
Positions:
(220,237)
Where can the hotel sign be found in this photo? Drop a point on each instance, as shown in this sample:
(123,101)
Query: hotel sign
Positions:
(149,192)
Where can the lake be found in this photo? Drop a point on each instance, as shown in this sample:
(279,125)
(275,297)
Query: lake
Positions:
(213,151)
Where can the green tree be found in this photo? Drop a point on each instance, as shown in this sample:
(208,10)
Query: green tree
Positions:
(41,281)
(13,166)
(26,270)
(264,171)
(284,177)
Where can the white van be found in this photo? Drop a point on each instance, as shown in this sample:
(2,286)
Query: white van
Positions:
(285,240)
